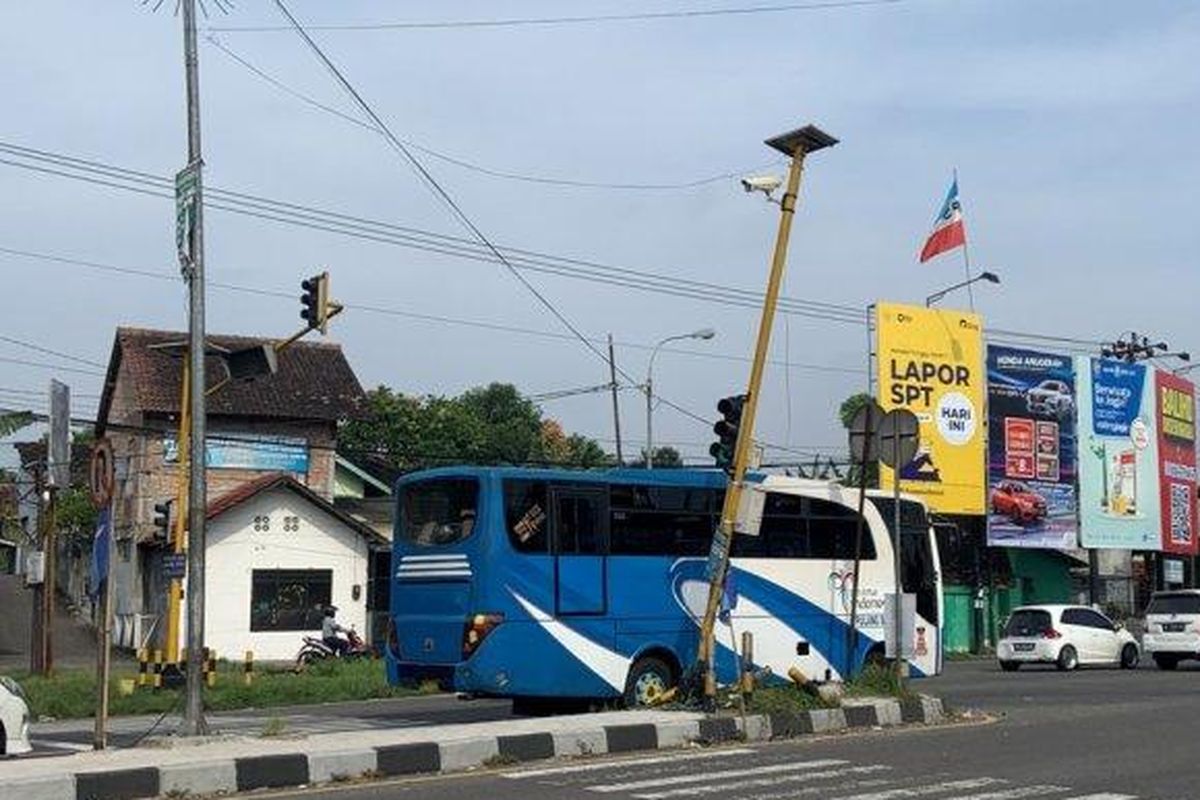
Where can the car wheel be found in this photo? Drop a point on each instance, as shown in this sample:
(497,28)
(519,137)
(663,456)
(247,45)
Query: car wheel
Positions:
(1129,656)
(3,741)
(1068,659)
(649,677)
(1166,662)
(1010,666)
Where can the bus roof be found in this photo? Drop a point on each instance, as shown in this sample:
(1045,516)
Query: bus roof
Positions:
(703,478)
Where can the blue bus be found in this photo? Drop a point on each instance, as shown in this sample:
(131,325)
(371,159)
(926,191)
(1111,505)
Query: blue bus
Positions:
(536,583)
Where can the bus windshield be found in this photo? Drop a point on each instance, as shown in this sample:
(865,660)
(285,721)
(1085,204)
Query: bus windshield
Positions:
(438,512)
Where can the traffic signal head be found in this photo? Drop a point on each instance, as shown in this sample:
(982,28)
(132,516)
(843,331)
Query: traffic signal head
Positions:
(727,429)
(314,301)
(162,518)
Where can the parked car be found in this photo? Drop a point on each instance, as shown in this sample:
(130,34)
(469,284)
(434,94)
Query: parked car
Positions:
(1018,502)
(1173,627)
(1066,636)
(14,719)
(1050,397)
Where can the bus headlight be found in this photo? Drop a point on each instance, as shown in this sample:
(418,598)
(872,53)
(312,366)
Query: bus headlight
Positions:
(477,628)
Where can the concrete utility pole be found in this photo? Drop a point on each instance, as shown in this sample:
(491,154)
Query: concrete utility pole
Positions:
(193,712)
(612,378)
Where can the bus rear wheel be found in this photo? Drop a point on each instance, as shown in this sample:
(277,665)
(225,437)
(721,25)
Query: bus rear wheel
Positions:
(649,678)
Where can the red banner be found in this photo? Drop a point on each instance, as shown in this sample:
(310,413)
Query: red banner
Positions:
(1175,409)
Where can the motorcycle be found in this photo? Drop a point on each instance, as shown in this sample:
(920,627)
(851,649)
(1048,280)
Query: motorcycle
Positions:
(314,649)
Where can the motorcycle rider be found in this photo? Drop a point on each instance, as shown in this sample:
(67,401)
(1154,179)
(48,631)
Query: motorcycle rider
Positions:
(330,630)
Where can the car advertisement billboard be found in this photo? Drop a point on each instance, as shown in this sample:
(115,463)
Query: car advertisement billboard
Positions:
(1176,417)
(1118,456)
(1031,449)
(930,361)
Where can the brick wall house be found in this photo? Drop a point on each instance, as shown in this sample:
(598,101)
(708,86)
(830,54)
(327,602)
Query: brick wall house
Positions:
(284,423)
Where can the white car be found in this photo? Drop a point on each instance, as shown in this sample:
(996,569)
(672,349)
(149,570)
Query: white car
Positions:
(14,719)
(1066,636)
(1173,627)
(1050,397)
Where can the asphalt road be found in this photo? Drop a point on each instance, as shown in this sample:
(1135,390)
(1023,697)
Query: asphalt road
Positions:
(1089,735)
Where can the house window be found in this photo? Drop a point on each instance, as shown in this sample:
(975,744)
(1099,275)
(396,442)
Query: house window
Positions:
(289,599)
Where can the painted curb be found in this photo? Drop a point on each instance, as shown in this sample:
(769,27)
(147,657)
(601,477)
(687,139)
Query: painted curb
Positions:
(289,770)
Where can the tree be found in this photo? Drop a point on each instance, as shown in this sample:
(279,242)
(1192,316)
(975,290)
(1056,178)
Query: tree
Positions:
(664,457)
(850,406)
(491,424)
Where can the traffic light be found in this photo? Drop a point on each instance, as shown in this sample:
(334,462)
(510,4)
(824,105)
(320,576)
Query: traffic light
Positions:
(162,520)
(314,301)
(726,430)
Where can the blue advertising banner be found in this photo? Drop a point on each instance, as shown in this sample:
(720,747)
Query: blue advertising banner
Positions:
(264,454)
(1032,447)
(1118,456)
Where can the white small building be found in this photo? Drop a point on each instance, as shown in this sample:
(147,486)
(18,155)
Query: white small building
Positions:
(277,554)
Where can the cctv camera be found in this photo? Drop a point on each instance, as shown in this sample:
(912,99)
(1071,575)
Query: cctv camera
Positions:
(762,183)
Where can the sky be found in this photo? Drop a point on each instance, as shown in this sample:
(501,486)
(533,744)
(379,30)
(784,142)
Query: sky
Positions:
(1071,126)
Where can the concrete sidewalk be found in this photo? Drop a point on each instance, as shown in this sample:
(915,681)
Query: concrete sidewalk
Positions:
(233,764)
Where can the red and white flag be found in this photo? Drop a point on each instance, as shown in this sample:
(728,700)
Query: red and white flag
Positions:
(948,229)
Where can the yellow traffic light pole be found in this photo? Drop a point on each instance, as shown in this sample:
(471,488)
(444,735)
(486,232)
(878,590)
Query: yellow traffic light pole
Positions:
(178,539)
(797,144)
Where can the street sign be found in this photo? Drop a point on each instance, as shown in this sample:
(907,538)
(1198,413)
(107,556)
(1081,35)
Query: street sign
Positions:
(899,436)
(101,473)
(174,566)
(864,433)
(186,181)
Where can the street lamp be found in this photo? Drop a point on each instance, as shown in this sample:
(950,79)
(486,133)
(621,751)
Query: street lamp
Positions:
(990,277)
(703,333)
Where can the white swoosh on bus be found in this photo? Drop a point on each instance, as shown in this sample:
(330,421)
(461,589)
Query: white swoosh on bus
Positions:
(610,666)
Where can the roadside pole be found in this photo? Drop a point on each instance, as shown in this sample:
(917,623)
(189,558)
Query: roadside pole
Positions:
(171,676)
(193,716)
(49,583)
(898,606)
(102,480)
(864,448)
(612,377)
(795,144)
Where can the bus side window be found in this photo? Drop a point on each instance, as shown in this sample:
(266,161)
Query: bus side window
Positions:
(832,529)
(525,515)
(660,521)
(579,528)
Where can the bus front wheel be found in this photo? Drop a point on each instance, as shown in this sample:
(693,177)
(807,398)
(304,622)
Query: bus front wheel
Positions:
(649,677)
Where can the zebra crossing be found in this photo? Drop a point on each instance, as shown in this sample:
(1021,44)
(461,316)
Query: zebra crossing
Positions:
(734,775)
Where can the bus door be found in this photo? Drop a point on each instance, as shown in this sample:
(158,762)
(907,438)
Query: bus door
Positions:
(580,525)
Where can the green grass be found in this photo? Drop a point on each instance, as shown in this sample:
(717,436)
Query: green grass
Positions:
(879,680)
(72,694)
(783,699)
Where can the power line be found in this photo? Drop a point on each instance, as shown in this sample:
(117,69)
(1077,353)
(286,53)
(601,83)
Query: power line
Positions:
(428,241)
(45,365)
(459,214)
(48,351)
(388,233)
(644,16)
(172,277)
(474,167)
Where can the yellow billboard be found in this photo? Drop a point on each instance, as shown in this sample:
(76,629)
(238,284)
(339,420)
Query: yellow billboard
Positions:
(931,362)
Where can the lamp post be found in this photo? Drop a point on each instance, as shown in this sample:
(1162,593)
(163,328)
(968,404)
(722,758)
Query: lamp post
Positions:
(703,333)
(990,277)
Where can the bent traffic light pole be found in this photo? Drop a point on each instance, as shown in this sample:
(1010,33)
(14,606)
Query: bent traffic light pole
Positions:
(797,144)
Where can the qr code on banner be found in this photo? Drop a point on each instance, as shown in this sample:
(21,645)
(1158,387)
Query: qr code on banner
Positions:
(1181,513)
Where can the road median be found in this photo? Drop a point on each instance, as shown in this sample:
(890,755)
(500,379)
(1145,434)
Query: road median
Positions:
(225,764)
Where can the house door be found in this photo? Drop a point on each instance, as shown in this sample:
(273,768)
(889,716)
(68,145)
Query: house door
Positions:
(580,548)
